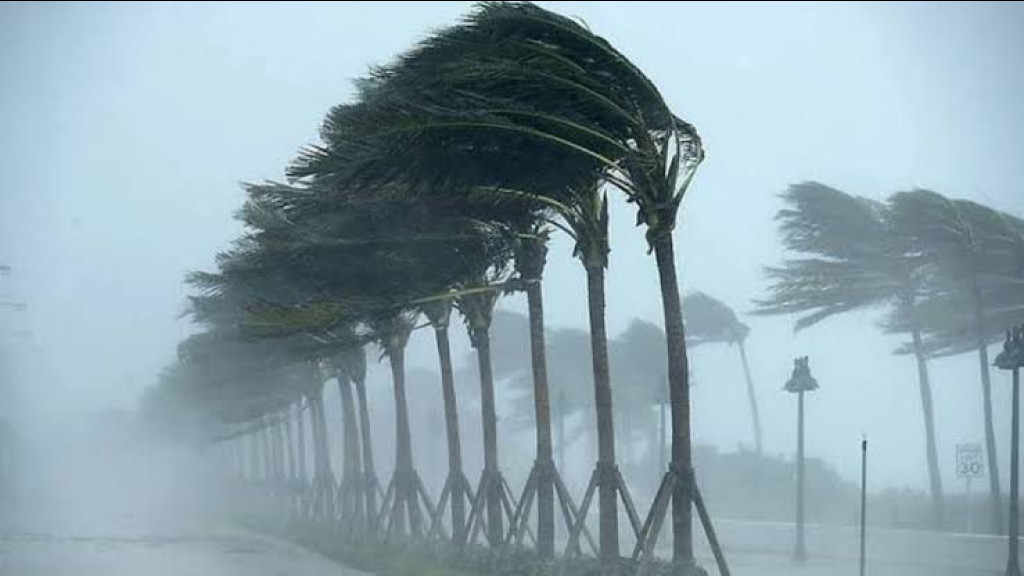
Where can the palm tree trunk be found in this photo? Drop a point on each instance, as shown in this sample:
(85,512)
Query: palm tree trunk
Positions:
(607,508)
(542,418)
(365,436)
(278,448)
(265,447)
(934,475)
(560,413)
(403,477)
(301,433)
(240,456)
(254,456)
(679,399)
(327,466)
(755,415)
(451,420)
(353,480)
(661,437)
(324,474)
(289,442)
(482,342)
(990,436)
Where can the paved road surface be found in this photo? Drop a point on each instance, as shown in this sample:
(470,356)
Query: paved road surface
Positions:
(134,517)
(221,552)
(765,549)
(141,515)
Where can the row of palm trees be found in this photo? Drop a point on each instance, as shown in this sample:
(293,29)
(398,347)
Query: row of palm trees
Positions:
(436,191)
(948,274)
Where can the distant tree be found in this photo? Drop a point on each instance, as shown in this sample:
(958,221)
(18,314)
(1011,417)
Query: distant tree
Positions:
(711,321)
(851,258)
(974,254)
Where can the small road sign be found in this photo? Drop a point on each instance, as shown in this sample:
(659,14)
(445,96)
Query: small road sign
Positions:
(970,461)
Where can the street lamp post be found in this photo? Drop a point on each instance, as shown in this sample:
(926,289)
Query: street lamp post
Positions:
(801,381)
(1012,358)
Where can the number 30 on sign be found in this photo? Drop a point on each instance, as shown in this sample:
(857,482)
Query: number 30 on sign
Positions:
(970,461)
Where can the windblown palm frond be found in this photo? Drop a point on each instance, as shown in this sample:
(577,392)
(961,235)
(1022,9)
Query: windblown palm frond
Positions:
(851,258)
(709,320)
(965,243)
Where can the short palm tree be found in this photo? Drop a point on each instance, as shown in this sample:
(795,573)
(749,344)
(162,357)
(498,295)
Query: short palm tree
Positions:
(711,321)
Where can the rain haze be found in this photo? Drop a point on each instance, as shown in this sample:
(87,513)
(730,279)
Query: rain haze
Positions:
(128,130)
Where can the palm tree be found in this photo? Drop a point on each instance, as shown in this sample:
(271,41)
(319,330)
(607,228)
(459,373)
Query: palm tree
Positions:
(530,260)
(524,218)
(378,254)
(972,251)
(518,76)
(352,361)
(241,381)
(711,321)
(638,365)
(351,491)
(851,258)
(572,390)
(449,250)
(477,309)
(333,165)
(585,217)
(456,486)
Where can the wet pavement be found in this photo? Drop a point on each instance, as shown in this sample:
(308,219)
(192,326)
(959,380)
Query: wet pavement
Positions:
(135,515)
(220,552)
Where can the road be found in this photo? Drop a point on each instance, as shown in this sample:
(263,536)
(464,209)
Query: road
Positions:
(116,516)
(216,552)
(765,549)
(140,513)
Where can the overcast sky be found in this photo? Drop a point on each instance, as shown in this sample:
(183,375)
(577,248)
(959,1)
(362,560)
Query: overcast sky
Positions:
(126,129)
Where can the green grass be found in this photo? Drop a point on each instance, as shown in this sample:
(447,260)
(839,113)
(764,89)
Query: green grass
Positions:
(411,558)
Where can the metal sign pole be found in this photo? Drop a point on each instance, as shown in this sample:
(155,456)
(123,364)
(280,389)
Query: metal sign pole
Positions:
(970,508)
(863,503)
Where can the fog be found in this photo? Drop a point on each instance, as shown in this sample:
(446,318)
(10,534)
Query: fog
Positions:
(128,128)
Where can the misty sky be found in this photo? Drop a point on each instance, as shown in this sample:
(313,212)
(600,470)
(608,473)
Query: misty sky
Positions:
(126,129)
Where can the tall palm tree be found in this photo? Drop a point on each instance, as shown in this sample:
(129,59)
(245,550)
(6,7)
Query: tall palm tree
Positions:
(253,381)
(402,499)
(519,76)
(572,386)
(476,200)
(711,321)
(530,258)
(638,365)
(972,250)
(449,250)
(351,491)
(477,310)
(584,215)
(586,211)
(456,487)
(352,360)
(851,257)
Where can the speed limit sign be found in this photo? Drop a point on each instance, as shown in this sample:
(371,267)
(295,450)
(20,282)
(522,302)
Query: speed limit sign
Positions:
(970,461)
